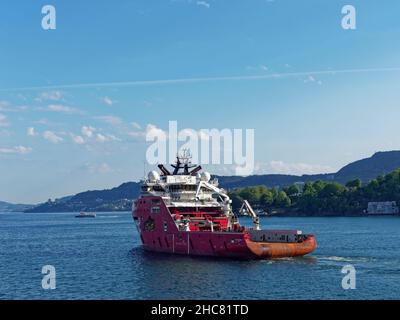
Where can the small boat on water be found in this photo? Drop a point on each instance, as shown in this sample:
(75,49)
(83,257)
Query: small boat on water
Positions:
(86,215)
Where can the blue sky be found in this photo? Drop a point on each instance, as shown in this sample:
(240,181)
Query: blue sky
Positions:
(72,115)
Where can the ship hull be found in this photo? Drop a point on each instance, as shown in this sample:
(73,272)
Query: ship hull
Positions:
(226,245)
(159,233)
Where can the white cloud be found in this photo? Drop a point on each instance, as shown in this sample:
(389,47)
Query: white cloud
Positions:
(112,120)
(22,97)
(203,4)
(22,149)
(3,121)
(5,133)
(153,131)
(261,67)
(61,108)
(281,167)
(147,104)
(4,105)
(54,95)
(108,101)
(136,125)
(312,79)
(52,137)
(88,131)
(98,168)
(137,134)
(16,150)
(43,122)
(101,138)
(106,137)
(158,82)
(104,168)
(31,132)
(78,139)
(88,134)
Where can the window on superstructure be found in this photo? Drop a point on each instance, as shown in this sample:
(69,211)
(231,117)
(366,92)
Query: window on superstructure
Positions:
(175,188)
(189,188)
(158,189)
(155,210)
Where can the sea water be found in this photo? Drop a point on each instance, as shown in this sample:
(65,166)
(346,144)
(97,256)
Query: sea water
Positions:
(102,258)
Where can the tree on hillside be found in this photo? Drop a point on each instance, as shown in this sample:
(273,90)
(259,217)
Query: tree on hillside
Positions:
(332,189)
(266,199)
(309,189)
(292,191)
(236,200)
(318,185)
(250,194)
(282,200)
(324,197)
(356,184)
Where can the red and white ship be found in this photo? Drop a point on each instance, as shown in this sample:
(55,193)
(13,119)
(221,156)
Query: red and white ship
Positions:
(185,212)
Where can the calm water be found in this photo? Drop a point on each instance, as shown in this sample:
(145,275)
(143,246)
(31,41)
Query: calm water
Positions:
(102,259)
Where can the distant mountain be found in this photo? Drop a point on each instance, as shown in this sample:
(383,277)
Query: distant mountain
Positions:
(116,199)
(269,180)
(11,207)
(121,198)
(380,163)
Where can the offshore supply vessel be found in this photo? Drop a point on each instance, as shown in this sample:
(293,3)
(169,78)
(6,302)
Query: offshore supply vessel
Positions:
(185,212)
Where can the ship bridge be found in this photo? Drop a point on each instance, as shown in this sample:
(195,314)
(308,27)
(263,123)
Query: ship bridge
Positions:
(186,186)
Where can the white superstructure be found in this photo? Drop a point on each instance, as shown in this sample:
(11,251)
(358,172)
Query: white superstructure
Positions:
(186,187)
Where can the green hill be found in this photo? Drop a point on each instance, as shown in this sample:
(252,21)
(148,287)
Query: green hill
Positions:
(121,198)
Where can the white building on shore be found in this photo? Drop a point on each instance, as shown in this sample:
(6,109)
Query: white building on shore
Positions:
(382,208)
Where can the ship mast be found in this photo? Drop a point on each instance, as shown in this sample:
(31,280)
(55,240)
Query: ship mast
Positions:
(184,161)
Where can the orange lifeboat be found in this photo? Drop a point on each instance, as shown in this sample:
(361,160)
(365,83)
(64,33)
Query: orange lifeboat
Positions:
(274,250)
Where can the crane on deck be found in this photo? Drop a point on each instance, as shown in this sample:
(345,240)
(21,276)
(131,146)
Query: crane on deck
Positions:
(246,209)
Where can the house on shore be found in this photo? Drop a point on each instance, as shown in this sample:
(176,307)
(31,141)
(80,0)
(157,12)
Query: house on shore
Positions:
(382,208)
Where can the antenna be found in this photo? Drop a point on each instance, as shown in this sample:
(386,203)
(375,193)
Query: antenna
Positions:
(144,170)
(185,156)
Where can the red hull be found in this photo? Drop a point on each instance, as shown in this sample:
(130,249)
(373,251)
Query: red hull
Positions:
(159,233)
